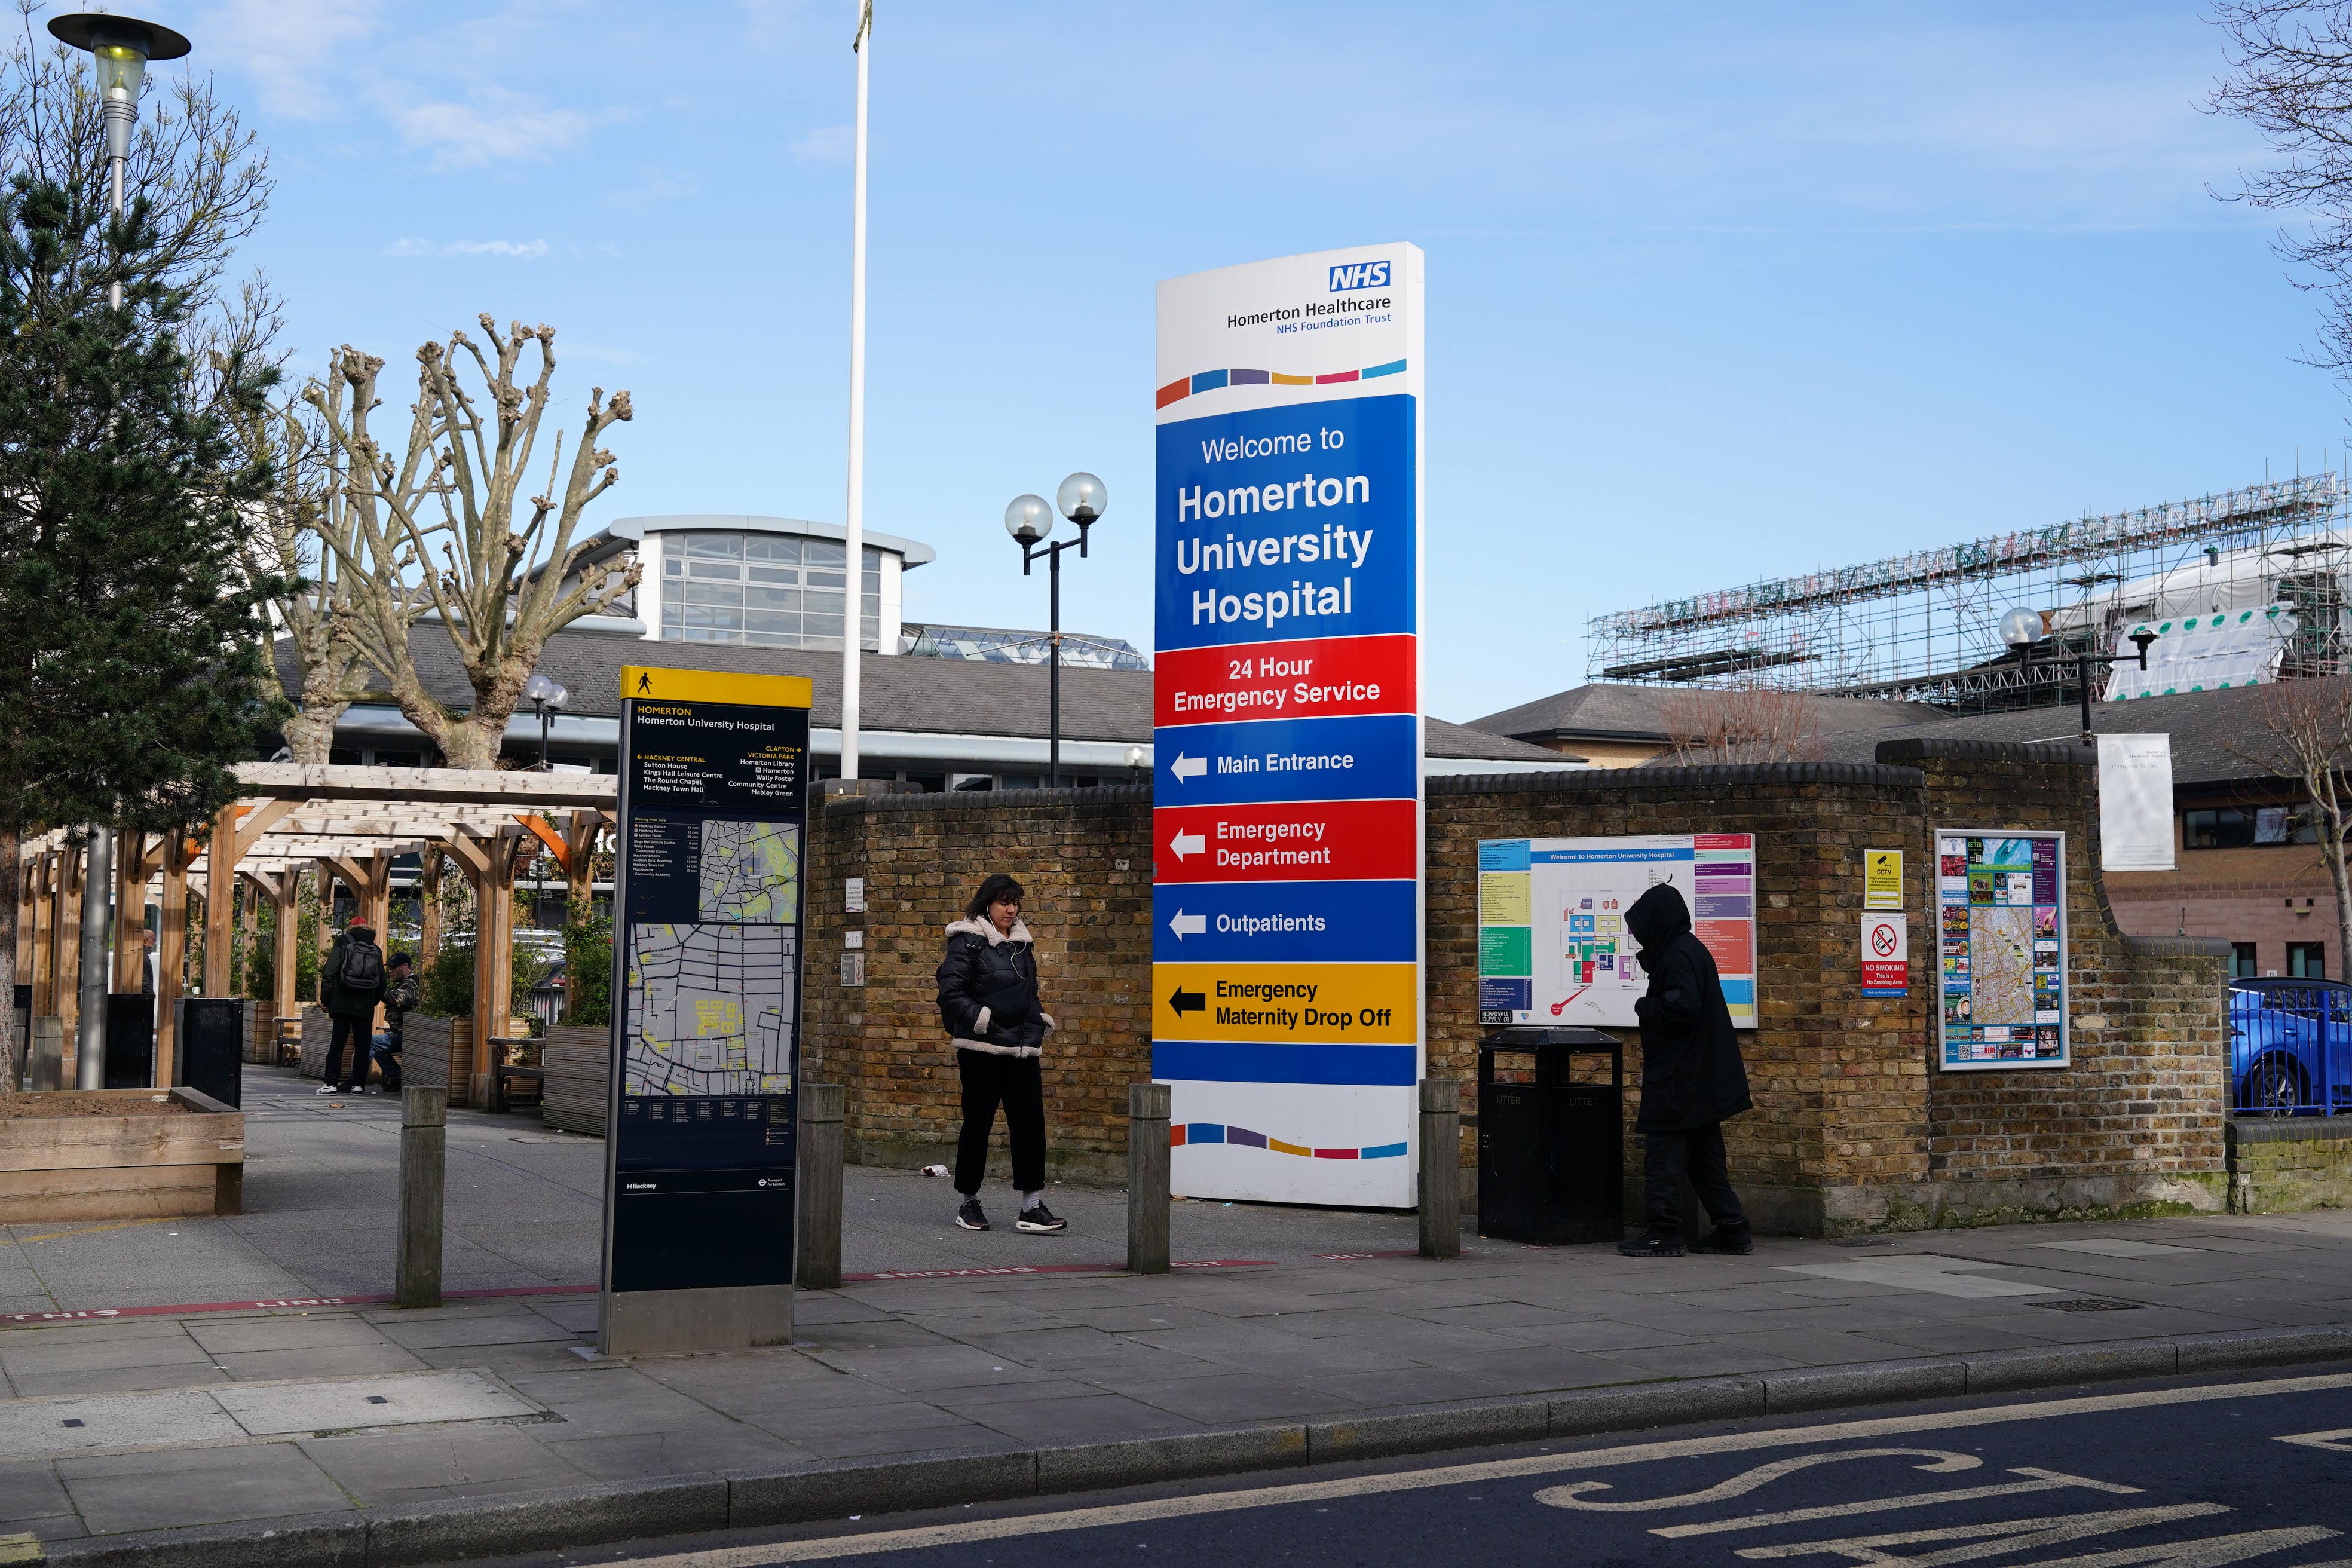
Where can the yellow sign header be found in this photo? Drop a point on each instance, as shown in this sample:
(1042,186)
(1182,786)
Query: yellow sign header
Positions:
(639,682)
(1285,1004)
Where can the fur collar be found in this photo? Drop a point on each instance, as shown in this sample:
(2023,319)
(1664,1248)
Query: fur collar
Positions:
(982,927)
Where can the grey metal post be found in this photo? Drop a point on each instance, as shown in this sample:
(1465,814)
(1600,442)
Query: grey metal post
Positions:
(1440,1168)
(97,903)
(423,1171)
(817,1191)
(47,1070)
(1147,1178)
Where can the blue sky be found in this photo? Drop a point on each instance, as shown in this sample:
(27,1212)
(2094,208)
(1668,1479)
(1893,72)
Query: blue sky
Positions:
(1714,292)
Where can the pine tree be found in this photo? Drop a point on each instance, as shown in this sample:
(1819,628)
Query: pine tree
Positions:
(132,648)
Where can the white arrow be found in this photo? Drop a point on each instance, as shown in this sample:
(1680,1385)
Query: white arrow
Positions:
(1185,925)
(1187,843)
(1185,767)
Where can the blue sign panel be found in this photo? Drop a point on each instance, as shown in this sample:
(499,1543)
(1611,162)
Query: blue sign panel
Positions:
(1288,759)
(1283,922)
(1287,522)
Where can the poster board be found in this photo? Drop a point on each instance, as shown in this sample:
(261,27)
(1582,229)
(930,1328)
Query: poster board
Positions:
(2000,938)
(1287,811)
(1552,943)
(2135,815)
(707,894)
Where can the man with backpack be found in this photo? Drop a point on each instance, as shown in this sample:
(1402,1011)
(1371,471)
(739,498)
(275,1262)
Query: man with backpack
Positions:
(351,983)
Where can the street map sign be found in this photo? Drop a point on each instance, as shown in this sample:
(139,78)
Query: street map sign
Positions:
(2001,912)
(1552,942)
(707,956)
(1287,833)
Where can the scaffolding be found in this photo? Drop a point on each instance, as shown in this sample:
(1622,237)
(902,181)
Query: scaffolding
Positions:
(1925,627)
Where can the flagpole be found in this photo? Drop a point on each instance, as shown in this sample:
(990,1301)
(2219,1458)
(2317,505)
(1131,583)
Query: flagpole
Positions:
(854,625)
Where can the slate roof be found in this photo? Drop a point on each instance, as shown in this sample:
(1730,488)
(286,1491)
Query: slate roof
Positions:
(2209,730)
(1605,710)
(939,696)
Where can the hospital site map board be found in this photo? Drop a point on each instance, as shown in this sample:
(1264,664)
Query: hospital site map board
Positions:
(1552,942)
(707,946)
(2000,944)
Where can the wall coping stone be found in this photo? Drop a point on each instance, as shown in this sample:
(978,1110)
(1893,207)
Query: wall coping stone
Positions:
(2287,1129)
(1941,749)
(1708,776)
(987,799)
(2176,946)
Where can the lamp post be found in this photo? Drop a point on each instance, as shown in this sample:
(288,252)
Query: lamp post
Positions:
(853,639)
(120,48)
(549,697)
(1029,520)
(2024,630)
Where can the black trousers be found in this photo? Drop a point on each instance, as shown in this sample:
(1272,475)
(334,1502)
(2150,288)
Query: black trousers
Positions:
(1018,1085)
(1668,1157)
(351,1032)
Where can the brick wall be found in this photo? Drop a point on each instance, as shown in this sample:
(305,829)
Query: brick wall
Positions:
(2290,1164)
(1852,1128)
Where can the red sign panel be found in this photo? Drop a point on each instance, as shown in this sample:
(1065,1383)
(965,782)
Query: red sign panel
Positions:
(1314,841)
(1311,678)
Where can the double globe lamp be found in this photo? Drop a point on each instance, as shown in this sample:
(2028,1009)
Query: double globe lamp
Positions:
(1082,499)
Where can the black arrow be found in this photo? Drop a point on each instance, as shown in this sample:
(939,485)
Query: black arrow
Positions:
(1185,1002)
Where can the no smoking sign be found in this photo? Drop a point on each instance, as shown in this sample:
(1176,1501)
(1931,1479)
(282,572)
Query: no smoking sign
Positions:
(1885,955)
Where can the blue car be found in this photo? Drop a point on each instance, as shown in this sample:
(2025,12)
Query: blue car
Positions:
(2290,1047)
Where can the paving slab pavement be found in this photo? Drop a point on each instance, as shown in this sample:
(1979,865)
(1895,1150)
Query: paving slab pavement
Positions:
(1315,1319)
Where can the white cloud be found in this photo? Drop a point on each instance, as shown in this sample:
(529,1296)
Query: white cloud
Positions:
(518,249)
(289,55)
(826,144)
(495,127)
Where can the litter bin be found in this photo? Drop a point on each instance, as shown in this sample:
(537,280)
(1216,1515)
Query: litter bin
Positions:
(1551,1153)
(212,1047)
(130,1040)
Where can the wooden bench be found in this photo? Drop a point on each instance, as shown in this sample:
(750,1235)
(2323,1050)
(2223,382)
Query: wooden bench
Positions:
(503,1071)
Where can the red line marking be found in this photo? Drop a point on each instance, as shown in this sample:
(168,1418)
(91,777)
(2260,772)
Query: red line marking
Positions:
(283,1303)
(996,1271)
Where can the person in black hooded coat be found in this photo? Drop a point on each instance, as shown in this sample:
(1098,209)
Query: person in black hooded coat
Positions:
(1692,1078)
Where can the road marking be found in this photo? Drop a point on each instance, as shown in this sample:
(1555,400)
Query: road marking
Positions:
(2331,1441)
(1938,1276)
(874,1543)
(2045,1480)
(2005,1536)
(1940,1462)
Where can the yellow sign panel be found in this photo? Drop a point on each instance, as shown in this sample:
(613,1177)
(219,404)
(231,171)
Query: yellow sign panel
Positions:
(648,684)
(1503,898)
(1285,1002)
(1882,879)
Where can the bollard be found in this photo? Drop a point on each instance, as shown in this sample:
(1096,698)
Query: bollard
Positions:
(1147,1178)
(46,1064)
(1440,1168)
(816,1187)
(424,1170)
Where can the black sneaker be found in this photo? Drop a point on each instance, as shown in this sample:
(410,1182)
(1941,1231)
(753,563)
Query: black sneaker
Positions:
(1040,1218)
(1652,1244)
(1726,1243)
(970,1216)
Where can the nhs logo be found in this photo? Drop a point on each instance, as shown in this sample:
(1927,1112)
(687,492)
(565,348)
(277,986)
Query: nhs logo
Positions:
(1360,275)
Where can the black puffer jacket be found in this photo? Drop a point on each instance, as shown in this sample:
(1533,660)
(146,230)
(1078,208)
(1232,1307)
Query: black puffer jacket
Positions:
(1691,1070)
(988,990)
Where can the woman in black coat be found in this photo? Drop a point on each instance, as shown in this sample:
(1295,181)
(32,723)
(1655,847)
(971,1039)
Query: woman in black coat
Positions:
(1692,1078)
(988,1000)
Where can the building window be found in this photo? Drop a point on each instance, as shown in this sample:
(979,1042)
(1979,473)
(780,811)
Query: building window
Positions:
(766,590)
(2241,961)
(2306,959)
(2230,828)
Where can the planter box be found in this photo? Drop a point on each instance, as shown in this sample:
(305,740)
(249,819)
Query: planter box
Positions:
(147,1163)
(575,1059)
(426,1047)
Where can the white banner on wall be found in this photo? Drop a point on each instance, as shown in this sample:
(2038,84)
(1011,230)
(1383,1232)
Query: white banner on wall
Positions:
(2135,803)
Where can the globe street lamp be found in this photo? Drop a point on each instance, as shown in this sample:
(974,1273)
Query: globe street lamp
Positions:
(2023,630)
(120,47)
(1083,500)
(549,697)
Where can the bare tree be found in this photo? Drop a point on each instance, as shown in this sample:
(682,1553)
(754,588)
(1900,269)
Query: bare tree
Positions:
(2291,79)
(434,529)
(1751,722)
(2303,734)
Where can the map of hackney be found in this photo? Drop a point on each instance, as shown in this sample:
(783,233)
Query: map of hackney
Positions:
(2000,900)
(711,1003)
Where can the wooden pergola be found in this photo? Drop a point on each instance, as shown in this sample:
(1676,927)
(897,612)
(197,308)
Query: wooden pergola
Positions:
(348,823)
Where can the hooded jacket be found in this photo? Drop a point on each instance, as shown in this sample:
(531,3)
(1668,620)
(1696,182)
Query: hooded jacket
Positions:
(1691,1072)
(988,990)
(341,1003)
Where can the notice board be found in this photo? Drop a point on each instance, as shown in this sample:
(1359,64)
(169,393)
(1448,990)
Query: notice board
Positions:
(1552,942)
(2000,929)
(1286,821)
(707,956)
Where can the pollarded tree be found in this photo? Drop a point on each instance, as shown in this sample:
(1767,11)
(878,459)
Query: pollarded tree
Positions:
(434,529)
(131,645)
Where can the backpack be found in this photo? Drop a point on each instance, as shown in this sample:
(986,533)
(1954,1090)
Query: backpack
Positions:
(363,967)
